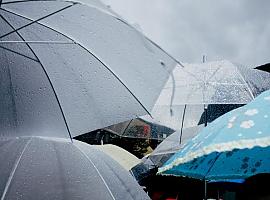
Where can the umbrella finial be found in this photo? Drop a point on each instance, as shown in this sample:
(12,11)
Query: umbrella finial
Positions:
(204,58)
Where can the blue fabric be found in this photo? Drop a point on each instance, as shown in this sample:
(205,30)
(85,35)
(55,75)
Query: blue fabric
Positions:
(238,142)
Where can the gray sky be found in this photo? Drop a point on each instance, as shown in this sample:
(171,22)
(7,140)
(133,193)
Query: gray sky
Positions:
(237,30)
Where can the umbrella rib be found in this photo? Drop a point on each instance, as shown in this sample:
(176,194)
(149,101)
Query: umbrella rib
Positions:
(100,175)
(173,94)
(96,57)
(50,82)
(23,1)
(212,75)
(35,42)
(35,21)
(14,170)
(209,169)
(124,132)
(7,49)
(121,20)
(240,74)
(156,45)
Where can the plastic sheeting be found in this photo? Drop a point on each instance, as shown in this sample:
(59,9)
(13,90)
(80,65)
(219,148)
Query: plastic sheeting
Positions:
(51,168)
(77,61)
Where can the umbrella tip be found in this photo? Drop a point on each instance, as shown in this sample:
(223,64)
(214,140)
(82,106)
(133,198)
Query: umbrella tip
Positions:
(171,111)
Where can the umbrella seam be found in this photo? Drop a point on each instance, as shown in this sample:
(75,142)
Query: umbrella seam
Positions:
(46,74)
(14,170)
(10,50)
(95,56)
(178,62)
(34,21)
(103,180)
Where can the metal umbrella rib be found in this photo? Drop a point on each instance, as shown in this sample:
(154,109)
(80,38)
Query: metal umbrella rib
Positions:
(97,170)
(34,21)
(7,49)
(37,59)
(105,65)
(14,170)
(73,59)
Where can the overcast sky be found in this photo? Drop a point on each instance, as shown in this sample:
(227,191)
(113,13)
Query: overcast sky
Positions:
(237,30)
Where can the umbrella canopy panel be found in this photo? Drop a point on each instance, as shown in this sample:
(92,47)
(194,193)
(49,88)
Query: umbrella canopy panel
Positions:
(51,168)
(88,71)
(123,157)
(27,101)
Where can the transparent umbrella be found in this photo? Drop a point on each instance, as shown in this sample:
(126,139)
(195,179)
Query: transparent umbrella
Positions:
(199,93)
(219,82)
(53,168)
(191,89)
(73,65)
(195,96)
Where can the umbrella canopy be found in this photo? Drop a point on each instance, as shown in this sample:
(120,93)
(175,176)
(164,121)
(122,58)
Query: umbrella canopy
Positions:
(220,86)
(219,82)
(54,168)
(120,155)
(172,144)
(148,166)
(143,127)
(234,146)
(265,67)
(73,67)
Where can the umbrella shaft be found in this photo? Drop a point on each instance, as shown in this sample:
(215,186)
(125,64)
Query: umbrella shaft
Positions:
(38,42)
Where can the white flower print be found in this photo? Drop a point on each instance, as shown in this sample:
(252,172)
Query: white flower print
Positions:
(251,112)
(247,124)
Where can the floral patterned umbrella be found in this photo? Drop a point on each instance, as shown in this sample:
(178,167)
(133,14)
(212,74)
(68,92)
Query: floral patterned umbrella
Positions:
(236,145)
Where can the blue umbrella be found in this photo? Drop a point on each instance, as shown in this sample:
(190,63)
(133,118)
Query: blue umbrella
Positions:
(235,146)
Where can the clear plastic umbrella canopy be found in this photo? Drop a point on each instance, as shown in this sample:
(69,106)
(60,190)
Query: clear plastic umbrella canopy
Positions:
(219,82)
(218,86)
(234,146)
(198,94)
(73,67)
(51,168)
